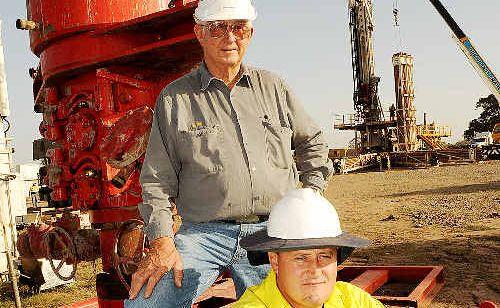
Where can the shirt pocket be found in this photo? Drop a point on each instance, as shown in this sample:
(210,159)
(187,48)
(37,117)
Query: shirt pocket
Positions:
(278,140)
(201,149)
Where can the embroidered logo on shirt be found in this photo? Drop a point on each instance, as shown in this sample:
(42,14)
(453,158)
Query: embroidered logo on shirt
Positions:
(197,125)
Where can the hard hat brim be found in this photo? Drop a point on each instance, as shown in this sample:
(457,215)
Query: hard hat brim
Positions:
(257,258)
(259,243)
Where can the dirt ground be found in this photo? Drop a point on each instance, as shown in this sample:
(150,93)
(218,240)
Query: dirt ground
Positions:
(447,215)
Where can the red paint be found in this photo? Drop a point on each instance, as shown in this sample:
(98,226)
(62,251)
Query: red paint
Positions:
(371,280)
(91,303)
(57,18)
(31,244)
(102,66)
(429,280)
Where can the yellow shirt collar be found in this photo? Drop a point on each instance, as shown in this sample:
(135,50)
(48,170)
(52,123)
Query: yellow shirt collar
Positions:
(269,293)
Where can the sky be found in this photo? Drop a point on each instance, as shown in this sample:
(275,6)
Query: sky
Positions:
(308,43)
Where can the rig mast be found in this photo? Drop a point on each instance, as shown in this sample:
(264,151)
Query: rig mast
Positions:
(369,119)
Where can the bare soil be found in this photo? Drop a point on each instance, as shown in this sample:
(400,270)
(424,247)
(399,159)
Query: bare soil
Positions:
(447,215)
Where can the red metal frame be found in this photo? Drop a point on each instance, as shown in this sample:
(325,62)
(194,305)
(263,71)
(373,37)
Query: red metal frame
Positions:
(488,304)
(428,280)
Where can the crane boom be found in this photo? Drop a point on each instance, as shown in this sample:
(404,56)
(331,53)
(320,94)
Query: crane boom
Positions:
(470,51)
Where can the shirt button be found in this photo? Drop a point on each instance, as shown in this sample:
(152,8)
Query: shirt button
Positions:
(254,169)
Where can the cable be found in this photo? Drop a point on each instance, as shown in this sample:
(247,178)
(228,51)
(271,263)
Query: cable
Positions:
(4,119)
(397,28)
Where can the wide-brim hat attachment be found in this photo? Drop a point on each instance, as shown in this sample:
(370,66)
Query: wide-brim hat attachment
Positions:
(302,219)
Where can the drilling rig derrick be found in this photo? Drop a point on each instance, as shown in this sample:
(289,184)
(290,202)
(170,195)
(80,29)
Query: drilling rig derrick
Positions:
(369,118)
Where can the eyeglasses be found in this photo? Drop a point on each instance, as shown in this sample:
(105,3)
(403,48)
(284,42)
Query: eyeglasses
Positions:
(219,29)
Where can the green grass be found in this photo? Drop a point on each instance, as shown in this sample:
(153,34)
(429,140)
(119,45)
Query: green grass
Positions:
(83,288)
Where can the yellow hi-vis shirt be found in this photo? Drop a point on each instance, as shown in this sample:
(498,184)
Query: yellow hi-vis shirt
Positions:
(267,295)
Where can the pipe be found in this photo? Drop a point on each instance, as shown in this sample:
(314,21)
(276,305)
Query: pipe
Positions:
(4,98)
(4,113)
(8,248)
(8,126)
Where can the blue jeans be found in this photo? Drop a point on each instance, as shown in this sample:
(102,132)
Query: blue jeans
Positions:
(206,250)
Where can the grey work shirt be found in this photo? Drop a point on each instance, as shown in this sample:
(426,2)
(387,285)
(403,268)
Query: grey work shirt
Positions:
(225,154)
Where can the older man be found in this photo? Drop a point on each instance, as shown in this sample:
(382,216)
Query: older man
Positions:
(220,149)
(304,244)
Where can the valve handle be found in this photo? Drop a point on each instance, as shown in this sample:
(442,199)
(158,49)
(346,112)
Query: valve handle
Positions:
(58,237)
(122,264)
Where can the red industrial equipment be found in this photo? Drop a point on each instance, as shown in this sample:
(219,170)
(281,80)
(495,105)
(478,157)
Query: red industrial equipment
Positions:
(63,241)
(102,65)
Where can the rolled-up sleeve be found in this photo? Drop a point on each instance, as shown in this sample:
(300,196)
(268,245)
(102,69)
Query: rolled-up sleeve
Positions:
(159,174)
(309,143)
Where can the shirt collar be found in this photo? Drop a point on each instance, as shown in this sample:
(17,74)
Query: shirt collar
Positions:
(206,77)
(269,293)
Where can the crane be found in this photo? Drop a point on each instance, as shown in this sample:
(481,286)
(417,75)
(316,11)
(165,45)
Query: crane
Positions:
(470,51)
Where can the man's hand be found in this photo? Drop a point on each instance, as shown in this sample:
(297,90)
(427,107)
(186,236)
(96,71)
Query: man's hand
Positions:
(159,259)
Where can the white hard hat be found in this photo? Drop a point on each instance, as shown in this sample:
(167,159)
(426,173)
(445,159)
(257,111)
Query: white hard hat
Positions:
(211,10)
(302,219)
(303,214)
